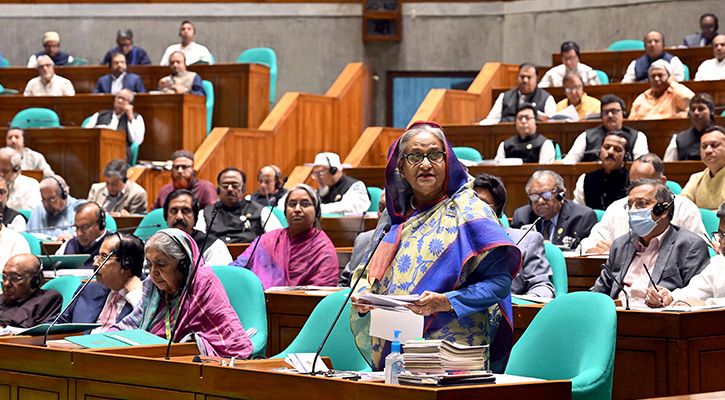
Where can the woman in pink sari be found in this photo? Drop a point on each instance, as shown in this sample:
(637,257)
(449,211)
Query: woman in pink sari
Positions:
(301,254)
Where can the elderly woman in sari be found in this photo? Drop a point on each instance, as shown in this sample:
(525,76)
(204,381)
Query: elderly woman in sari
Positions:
(301,254)
(445,245)
(171,254)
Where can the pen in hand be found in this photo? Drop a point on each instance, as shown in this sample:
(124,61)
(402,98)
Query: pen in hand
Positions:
(651,280)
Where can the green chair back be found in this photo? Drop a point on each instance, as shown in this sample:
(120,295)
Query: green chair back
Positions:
(66,285)
(572,337)
(674,187)
(134,153)
(33,242)
(246,296)
(559,276)
(111,223)
(209,91)
(279,214)
(600,214)
(621,45)
(557,150)
(36,118)
(340,346)
(4,62)
(375,193)
(25,214)
(77,62)
(155,217)
(687,72)
(468,153)
(504,220)
(710,220)
(85,121)
(264,56)
(603,77)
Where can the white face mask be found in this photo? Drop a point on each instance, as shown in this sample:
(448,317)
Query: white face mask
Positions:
(641,222)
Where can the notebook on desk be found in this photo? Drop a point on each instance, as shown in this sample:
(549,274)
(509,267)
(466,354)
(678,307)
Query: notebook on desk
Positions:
(134,337)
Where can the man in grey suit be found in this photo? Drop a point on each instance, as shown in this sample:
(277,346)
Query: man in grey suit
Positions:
(534,278)
(117,195)
(672,255)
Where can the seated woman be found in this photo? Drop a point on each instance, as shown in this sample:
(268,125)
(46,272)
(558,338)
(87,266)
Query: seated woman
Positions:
(170,254)
(300,254)
(446,245)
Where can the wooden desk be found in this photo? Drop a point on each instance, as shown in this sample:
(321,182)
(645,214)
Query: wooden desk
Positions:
(173,121)
(287,313)
(582,272)
(343,231)
(78,155)
(241,91)
(661,354)
(128,223)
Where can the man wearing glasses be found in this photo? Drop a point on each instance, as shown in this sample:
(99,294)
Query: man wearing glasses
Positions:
(340,194)
(121,118)
(559,220)
(708,31)
(90,228)
(587,145)
(184,177)
(23,304)
(576,97)
(54,218)
(47,83)
(526,91)
(528,145)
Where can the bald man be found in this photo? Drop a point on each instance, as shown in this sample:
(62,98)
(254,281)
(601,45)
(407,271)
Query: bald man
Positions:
(270,190)
(23,303)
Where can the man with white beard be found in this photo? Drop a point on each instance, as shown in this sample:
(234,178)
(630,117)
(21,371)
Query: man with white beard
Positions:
(340,193)
(47,83)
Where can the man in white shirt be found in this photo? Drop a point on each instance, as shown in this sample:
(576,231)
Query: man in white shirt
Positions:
(193,51)
(23,192)
(29,159)
(714,68)
(569,62)
(47,83)
(10,218)
(340,194)
(526,91)
(121,118)
(654,43)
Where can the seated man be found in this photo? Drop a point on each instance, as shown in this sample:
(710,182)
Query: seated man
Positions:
(588,144)
(29,159)
(569,63)
(90,227)
(193,52)
(184,177)
(534,278)
(11,242)
(340,193)
(664,99)
(575,96)
(23,191)
(238,220)
(672,255)
(507,103)
(134,55)
(270,187)
(117,290)
(10,218)
(51,48)
(121,118)
(54,218)
(23,304)
(562,222)
(654,43)
(708,31)
(528,145)
(707,188)
(180,211)
(598,189)
(47,83)
(685,145)
(714,68)
(649,166)
(181,80)
(117,195)
(119,78)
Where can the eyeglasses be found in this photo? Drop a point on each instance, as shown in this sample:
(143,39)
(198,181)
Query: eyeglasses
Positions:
(718,235)
(230,186)
(101,257)
(573,88)
(14,278)
(319,173)
(83,228)
(3,192)
(181,167)
(534,197)
(612,111)
(524,118)
(433,157)
(303,204)
(50,200)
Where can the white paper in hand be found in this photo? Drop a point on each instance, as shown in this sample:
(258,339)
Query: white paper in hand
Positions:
(384,323)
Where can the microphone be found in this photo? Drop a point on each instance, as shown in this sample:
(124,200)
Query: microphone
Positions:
(55,321)
(47,254)
(362,222)
(611,275)
(386,229)
(529,230)
(190,280)
(131,228)
(257,242)
(49,228)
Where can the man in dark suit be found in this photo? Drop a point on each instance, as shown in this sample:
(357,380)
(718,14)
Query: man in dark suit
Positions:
(118,287)
(562,221)
(672,255)
(118,78)
(708,31)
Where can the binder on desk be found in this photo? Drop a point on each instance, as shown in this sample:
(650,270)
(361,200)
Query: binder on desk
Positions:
(135,337)
(38,330)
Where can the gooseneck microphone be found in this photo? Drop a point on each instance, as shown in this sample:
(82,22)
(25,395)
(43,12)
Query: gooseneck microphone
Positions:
(264,225)
(611,275)
(190,280)
(78,293)
(529,230)
(385,230)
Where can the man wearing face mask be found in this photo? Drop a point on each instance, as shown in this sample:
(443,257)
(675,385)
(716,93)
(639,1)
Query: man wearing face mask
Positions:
(672,255)
(598,189)
(685,145)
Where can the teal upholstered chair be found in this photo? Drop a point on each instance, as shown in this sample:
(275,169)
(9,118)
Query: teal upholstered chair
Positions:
(340,347)
(264,56)
(375,193)
(710,220)
(687,72)
(33,242)
(559,276)
(25,213)
(134,153)
(77,62)
(572,337)
(4,62)
(36,118)
(209,91)
(85,121)
(622,45)
(246,296)
(279,214)
(603,77)
(557,150)
(674,187)
(504,220)
(155,217)
(111,223)
(600,214)
(66,285)
(467,153)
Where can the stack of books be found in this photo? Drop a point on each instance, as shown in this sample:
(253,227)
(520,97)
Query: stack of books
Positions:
(439,356)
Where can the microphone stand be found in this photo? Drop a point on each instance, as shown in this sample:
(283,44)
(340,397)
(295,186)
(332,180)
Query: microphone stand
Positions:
(257,242)
(385,230)
(529,230)
(55,321)
(626,296)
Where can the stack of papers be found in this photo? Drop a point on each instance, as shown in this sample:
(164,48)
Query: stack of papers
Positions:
(450,379)
(393,303)
(440,356)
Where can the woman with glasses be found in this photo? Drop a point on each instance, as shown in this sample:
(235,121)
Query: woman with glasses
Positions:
(446,245)
(300,254)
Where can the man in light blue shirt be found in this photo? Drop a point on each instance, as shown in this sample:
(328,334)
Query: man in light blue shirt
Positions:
(55,216)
